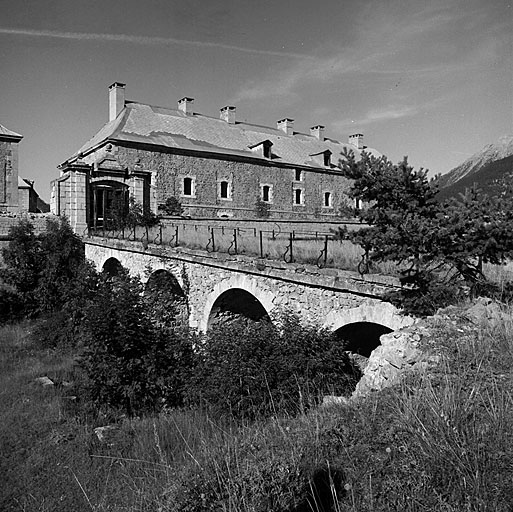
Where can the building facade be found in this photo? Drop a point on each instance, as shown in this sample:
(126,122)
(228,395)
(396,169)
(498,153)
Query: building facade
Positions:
(9,170)
(216,167)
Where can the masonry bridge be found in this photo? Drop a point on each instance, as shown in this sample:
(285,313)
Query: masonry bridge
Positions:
(215,284)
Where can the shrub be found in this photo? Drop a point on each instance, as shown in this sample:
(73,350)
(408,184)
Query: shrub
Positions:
(172,206)
(132,365)
(11,305)
(47,271)
(62,262)
(262,209)
(252,370)
(23,263)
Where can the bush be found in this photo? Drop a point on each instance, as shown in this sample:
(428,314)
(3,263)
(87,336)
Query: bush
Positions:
(132,364)
(252,370)
(11,305)
(23,263)
(262,209)
(45,271)
(172,206)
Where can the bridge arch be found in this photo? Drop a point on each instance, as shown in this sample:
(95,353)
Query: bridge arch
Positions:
(361,337)
(112,267)
(362,327)
(167,298)
(240,295)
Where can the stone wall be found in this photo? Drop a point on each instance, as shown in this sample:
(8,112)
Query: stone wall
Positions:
(245,179)
(8,176)
(325,297)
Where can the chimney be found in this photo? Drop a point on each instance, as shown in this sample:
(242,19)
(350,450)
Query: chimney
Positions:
(286,125)
(116,99)
(317,132)
(357,140)
(185,105)
(228,114)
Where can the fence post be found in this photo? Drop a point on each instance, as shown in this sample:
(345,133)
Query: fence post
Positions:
(261,244)
(176,235)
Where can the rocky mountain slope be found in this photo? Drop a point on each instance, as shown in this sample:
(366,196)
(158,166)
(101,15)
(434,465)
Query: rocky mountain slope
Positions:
(485,168)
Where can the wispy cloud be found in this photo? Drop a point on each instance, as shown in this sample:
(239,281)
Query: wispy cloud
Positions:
(377,115)
(422,44)
(147,40)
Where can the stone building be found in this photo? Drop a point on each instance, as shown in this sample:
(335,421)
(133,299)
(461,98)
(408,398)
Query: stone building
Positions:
(9,170)
(216,167)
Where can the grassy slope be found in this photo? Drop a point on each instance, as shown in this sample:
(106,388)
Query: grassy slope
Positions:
(442,441)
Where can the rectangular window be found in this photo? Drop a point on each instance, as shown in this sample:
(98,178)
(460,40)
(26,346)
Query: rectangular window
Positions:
(298,196)
(327,200)
(188,186)
(225,189)
(298,175)
(266,193)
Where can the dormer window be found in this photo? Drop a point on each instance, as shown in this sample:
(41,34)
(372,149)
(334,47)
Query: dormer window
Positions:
(262,148)
(323,158)
(298,175)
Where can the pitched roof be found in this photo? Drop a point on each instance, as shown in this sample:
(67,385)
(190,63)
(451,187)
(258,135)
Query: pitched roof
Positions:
(8,134)
(23,183)
(169,128)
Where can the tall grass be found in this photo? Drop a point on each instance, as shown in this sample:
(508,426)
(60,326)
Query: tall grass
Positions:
(301,243)
(442,440)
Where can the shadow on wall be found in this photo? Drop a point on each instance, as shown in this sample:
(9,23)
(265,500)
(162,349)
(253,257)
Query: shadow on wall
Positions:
(361,337)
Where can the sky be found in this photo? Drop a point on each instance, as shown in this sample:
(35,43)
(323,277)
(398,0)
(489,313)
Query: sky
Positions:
(430,79)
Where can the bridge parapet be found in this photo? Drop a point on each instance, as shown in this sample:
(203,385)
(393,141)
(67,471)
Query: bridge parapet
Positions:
(369,285)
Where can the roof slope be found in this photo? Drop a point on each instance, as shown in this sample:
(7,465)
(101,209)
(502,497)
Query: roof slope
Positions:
(8,134)
(142,123)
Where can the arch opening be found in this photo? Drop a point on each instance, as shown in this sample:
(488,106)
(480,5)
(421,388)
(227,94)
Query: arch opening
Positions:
(112,267)
(361,338)
(234,305)
(166,298)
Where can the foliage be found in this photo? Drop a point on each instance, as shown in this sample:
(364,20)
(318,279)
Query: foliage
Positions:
(172,206)
(139,215)
(62,257)
(440,441)
(131,364)
(22,262)
(252,370)
(262,209)
(47,271)
(439,247)
(11,305)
